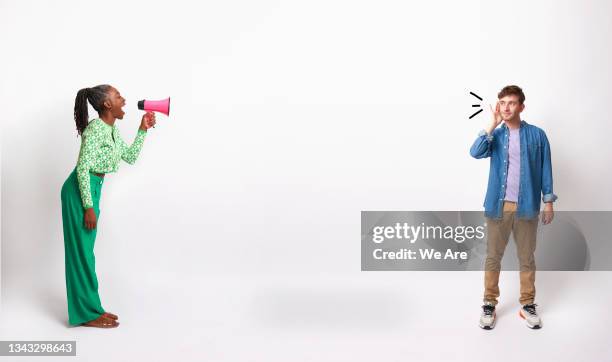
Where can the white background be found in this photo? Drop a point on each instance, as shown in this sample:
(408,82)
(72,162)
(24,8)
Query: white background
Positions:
(287,119)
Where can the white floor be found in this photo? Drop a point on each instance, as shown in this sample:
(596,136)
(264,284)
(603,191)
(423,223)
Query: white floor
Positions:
(364,316)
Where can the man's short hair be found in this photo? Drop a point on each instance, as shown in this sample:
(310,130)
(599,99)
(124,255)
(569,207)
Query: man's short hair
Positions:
(512,90)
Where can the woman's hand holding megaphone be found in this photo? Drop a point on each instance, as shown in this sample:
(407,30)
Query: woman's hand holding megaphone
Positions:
(148,121)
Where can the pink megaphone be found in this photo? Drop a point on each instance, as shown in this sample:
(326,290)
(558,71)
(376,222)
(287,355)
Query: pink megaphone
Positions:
(162,106)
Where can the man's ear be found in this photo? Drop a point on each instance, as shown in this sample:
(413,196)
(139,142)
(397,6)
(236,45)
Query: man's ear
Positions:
(522,107)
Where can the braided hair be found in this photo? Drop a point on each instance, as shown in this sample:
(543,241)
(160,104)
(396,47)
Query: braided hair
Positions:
(96,97)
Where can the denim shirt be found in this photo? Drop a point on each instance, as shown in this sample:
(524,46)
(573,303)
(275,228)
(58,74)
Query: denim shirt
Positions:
(535,171)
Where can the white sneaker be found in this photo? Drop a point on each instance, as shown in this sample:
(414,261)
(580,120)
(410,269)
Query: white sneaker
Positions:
(487,316)
(531,317)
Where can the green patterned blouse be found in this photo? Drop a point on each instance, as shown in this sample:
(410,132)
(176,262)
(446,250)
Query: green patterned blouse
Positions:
(101,150)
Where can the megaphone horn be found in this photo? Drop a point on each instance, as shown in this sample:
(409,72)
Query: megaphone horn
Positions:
(162,106)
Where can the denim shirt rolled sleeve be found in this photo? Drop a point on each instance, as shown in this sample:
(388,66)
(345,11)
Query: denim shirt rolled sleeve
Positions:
(535,169)
(482,146)
(547,178)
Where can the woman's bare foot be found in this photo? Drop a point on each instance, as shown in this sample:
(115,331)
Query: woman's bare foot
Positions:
(102,322)
(110,315)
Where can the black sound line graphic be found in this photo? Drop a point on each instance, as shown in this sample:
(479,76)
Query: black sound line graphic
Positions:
(475,105)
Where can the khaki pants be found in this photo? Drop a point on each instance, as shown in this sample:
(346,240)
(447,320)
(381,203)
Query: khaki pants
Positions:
(498,233)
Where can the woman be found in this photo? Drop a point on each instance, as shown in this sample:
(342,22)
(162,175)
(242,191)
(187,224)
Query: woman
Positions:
(101,150)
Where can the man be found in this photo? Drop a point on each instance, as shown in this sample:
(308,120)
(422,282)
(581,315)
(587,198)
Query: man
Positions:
(520,170)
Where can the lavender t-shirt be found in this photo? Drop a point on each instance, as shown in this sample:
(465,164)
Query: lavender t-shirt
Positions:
(514,166)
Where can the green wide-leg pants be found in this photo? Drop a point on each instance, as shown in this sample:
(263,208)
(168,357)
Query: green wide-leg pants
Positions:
(81,280)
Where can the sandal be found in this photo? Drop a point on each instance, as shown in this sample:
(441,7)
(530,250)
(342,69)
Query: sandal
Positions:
(110,315)
(101,322)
